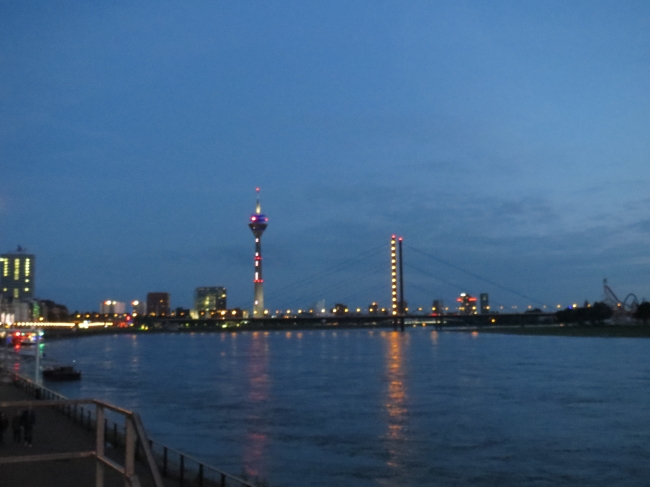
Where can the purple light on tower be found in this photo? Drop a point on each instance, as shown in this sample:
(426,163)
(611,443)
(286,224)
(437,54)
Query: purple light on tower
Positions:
(257,224)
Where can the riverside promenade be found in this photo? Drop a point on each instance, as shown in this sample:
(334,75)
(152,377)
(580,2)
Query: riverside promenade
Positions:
(70,432)
(54,433)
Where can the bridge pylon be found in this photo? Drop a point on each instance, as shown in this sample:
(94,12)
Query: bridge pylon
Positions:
(398,307)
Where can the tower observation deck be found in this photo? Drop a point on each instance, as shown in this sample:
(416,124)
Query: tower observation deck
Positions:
(257,224)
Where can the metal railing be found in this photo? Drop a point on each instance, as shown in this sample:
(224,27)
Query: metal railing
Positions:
(134,431)
(181,469)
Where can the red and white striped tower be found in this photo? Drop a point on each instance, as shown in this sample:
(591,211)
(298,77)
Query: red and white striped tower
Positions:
(258,223)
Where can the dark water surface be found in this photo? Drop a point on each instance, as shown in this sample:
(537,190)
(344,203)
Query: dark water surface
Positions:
(366,408)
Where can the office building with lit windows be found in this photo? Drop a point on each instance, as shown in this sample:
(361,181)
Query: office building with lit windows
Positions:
(158,304)
(17,274)
(467,304)
(210,299)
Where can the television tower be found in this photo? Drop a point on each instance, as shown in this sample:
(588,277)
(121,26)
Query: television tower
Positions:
(258,223)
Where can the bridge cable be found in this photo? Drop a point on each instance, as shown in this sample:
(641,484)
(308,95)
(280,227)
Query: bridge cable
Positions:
(331,270)
(489,281)
(350,279)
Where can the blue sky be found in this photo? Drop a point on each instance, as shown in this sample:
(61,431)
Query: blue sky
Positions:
(510,139)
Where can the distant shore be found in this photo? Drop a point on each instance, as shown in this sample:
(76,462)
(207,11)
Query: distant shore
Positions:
(602,331)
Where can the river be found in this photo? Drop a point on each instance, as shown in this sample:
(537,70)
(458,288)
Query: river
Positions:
(371,408)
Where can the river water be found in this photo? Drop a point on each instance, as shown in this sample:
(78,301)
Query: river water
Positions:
(373,408)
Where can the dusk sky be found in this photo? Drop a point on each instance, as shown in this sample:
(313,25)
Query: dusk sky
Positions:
(508,139)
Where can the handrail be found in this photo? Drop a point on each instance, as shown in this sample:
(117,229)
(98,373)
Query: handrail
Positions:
(138,426)
(133,425)
(194,459)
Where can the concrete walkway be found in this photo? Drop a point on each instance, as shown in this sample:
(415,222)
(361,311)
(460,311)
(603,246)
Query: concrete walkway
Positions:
(54,433)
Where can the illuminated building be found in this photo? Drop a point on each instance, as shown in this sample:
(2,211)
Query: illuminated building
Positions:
(467,304)
(207,299)
(138,308)
(373,309)
(340,310)
(158,304)
(109,307)
(485,303)
(17,274)
(438,307)
(257,224)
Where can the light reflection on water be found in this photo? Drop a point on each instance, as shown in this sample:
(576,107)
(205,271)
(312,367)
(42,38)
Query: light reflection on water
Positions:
(396,406)
(256,439)
(372,407)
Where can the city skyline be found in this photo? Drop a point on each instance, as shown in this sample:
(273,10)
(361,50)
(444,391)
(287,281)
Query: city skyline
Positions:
(507,140)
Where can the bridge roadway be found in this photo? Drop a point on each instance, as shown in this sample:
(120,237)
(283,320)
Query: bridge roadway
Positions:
(350,321)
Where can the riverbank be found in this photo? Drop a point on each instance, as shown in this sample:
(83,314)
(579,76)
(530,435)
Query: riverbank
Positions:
(603,331)
(599,331)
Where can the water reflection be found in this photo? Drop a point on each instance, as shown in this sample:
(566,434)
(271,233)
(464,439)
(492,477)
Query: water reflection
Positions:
(256,439)
(396,396)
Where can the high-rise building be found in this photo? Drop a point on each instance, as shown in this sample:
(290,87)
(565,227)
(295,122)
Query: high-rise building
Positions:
(158,304)
(485,303)
(17,274)
(257,224)
(210,299)
(467,304)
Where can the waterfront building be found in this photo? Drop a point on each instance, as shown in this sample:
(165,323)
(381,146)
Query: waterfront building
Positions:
(340,309)
(181,313)
(467,304)
(14,310)
(138,308)
(209,299)
(17,274)
(485,303)
(110,307)
(438,307)
(49,311)
(258,223)
(158,304)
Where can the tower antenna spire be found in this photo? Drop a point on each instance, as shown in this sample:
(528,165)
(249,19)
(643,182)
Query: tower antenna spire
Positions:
(258,206)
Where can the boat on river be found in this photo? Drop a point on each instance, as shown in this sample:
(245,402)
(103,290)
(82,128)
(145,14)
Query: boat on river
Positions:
(61,373)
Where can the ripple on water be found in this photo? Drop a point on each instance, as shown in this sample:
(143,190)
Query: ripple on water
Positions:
(367,408)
